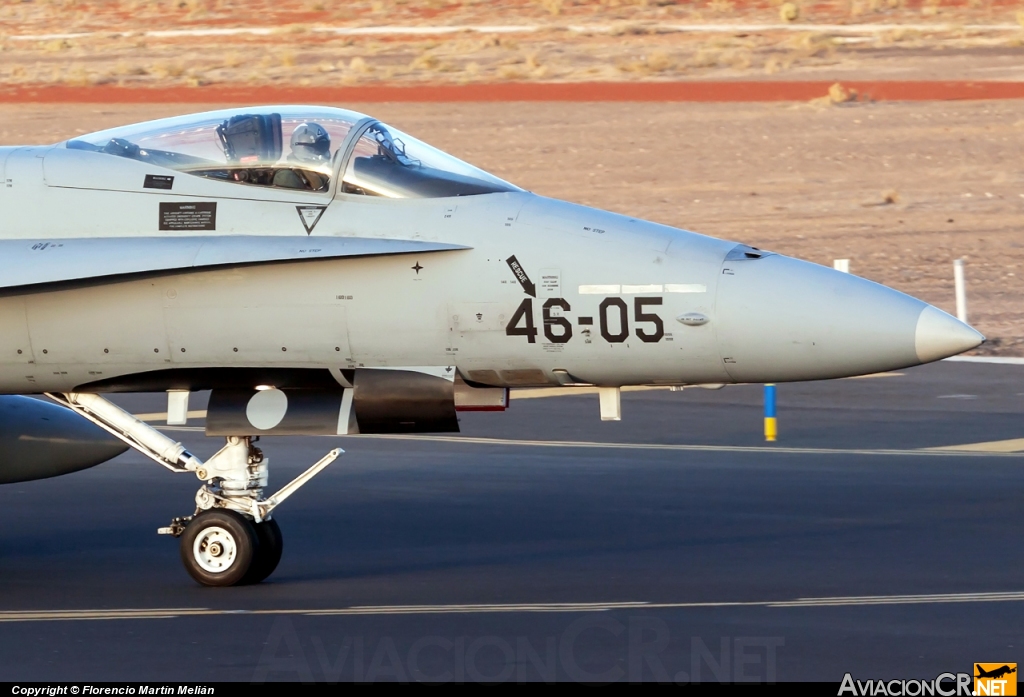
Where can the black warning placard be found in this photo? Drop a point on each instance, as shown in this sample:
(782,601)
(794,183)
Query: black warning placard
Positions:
(188,216)
(158,181)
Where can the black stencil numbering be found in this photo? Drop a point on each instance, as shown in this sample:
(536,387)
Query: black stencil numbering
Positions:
(641,316)
(613,319)
(615,307)
(523,315)
(557,329)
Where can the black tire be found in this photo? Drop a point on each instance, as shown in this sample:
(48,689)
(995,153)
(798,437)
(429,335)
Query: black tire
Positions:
(235,537)
(269,555)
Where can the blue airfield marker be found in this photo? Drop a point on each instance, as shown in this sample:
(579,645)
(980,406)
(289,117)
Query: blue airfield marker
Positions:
(771,428)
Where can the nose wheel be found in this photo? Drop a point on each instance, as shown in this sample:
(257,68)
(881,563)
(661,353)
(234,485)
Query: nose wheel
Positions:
(218,548)
(225,548)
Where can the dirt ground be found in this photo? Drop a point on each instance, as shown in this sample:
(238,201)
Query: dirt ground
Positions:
(164,43)
(900,189)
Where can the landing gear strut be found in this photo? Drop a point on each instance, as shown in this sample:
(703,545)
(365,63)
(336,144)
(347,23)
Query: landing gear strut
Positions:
(231,539)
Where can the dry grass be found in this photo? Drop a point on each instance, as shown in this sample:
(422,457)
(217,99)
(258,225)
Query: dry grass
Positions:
(162,71)
(56,45)
(77,76)
(812,45)
(637,44)
(195,9)
(425,61)
(126,69)
(837,94)
(553,7)
(511,72)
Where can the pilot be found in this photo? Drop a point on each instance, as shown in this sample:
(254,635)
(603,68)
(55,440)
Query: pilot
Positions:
(311,148)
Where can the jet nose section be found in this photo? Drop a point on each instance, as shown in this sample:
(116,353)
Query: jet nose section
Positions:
(940,335)
(781,319)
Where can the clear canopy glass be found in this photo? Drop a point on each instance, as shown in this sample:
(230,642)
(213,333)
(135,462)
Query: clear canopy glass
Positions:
(387,162)
(295,148)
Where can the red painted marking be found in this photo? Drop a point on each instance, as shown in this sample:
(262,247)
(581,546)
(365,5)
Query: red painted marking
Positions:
(732,91)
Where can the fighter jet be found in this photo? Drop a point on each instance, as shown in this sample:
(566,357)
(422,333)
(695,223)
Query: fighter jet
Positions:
(325,273)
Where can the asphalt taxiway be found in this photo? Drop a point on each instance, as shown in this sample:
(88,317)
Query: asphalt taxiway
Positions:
(880,535)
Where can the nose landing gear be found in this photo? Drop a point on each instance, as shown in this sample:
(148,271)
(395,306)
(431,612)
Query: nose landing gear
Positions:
(231,539)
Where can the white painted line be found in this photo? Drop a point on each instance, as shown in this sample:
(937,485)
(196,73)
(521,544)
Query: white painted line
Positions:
(51,37)
(834,28)
(842,601)
(175,33)
(649,288)
(611,289)
(434,30)
(397,30)
(685,288)
(600,290)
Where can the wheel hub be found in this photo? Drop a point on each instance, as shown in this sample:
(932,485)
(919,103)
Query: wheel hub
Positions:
(215,550)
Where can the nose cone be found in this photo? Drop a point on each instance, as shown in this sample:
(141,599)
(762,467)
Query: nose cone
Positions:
(940,335)
(779,319)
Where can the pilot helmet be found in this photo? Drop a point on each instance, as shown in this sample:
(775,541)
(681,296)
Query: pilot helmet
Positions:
(311,143)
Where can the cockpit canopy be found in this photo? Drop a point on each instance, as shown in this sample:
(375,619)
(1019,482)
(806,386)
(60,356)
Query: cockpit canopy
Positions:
(301,148)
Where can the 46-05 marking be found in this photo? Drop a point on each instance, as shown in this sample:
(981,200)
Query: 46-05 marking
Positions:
(613,319)
(557,330)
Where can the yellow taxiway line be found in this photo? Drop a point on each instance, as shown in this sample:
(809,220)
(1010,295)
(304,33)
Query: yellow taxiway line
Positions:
(926,452)
(378,610)
(944,451)
(1014,445)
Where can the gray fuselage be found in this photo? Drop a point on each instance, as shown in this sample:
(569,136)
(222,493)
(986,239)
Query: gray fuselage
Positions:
(618,301)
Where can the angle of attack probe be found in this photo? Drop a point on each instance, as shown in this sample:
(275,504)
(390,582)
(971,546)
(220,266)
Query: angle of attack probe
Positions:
(266,254)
